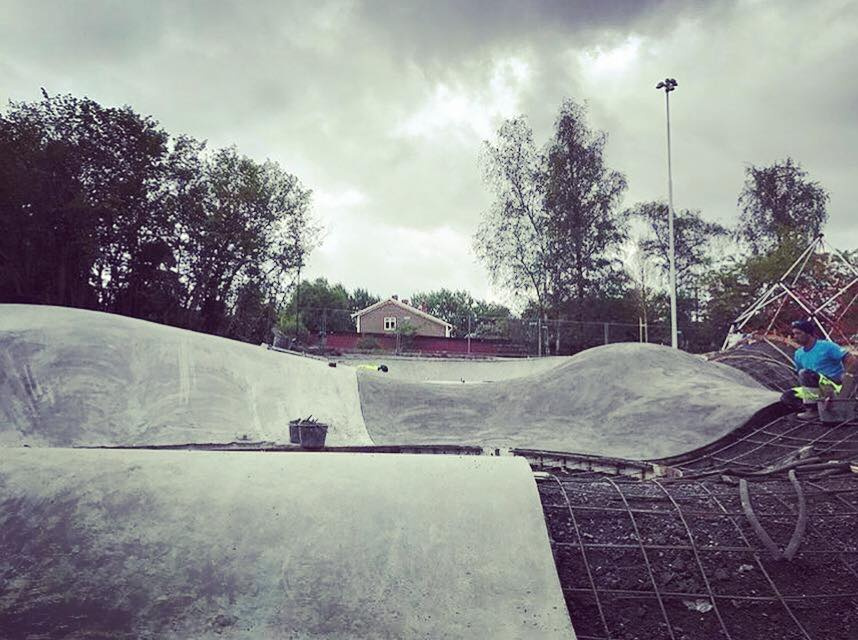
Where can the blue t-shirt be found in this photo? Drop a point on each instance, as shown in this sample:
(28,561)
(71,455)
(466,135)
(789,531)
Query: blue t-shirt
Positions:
(825,357)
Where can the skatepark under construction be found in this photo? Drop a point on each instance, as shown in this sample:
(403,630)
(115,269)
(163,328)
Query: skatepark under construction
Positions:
(149,489)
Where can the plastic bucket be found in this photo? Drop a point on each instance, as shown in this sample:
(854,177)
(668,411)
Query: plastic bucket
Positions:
(836,410)
(294,432)
(312,435)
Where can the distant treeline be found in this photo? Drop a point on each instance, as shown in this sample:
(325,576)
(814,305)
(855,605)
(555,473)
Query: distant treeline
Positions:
(100,208)
(558,236)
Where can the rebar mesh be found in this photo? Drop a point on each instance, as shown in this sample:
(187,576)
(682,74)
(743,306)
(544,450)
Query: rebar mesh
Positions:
(706,555)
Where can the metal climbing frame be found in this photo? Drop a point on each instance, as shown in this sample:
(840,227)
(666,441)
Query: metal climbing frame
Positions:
(768,360)
(785,290)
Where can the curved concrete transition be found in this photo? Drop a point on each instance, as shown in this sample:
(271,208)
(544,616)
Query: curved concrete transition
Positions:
(76,378)
(70,377)
(177,545)
(461,370)
(627,400)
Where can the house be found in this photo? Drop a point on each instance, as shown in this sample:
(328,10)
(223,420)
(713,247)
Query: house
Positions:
(393,314)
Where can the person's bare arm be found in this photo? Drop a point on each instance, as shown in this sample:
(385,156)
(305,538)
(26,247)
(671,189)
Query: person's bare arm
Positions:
(850,366)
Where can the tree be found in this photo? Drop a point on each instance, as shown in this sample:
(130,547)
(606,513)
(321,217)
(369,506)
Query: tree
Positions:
(582,200)
(80,197)
(461,310)
(360,299)
(696,241)
(650,300)
(100,208)
(455,307)
(238,221)
(823,282)
(554,222)
(512,239)
(741,280)
(490,320)
(778,202)
(323,307)
(699,247)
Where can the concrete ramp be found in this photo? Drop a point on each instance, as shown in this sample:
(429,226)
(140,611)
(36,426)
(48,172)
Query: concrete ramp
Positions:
(70,377)
(627,400)
(178,545)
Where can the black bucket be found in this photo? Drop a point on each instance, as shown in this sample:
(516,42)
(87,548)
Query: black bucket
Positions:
(837,410)
(312,435)
(294,432)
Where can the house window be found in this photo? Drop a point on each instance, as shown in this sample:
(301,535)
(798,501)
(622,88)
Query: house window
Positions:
(390,324)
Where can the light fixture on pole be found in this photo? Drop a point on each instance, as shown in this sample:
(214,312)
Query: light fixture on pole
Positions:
(669,84)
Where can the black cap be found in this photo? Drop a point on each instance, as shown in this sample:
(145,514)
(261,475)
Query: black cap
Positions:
(804,325)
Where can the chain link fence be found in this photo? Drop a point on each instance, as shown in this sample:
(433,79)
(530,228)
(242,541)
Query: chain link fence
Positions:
(335,330)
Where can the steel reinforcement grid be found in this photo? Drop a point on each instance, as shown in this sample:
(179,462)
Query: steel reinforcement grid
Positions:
(757,539)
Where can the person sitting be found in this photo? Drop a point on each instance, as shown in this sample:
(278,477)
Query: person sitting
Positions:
(823,367)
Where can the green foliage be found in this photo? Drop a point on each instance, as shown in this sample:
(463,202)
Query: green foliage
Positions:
(729,292)
(735,286)
(323,306)
(554,224)
(780,204)
(327,307)
(361,299)
(101,208)
(582,200)
(405,333)
(367,343)
(699,247)
(512,239)
(451,306)
(79,201)
(238,220)
(457,307)
(697,242)
(287,326)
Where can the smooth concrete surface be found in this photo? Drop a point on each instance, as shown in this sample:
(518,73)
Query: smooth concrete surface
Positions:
(628,400)
(182,545)
(70,377)
(461,370)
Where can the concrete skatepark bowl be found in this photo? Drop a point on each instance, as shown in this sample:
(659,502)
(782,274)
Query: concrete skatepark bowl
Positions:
(135,541)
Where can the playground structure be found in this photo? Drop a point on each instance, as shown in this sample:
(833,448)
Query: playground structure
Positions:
(832,308)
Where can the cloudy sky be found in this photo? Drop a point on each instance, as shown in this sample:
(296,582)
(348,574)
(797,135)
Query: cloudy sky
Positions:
(380,107)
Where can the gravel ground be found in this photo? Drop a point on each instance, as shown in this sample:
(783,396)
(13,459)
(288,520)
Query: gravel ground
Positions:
(680,558)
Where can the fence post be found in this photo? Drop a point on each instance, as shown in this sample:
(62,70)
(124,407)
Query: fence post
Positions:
(469,333)
(606,332)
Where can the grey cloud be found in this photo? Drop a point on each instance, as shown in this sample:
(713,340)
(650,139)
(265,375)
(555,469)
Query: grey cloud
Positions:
(444,31)
(322,89)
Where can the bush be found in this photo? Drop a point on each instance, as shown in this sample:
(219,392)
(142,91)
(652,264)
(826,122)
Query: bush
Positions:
(367,343)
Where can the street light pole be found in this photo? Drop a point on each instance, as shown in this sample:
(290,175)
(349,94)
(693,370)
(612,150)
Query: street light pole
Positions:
(669,84)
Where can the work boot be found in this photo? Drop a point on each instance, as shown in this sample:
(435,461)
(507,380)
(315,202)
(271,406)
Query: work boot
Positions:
(810,413)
